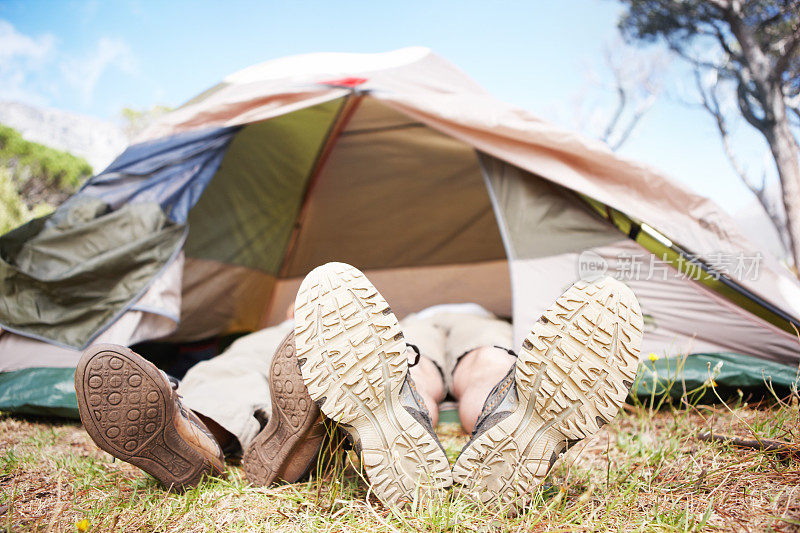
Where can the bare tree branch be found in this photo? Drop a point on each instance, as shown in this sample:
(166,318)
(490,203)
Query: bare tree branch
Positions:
(636,83)
(697,62)
(768,445)
(722,5)
(786,48)
(723,42)
(746,108)
(768,21)
(640,111)
(622,100)
(710,101)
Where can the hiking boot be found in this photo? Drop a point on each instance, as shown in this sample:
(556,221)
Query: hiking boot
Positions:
(131,410)
(288,446)
(354,362)
(574,372)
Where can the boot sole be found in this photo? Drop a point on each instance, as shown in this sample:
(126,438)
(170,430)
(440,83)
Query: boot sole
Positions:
(288,446)
(126,406)
(353,360)
(574,372)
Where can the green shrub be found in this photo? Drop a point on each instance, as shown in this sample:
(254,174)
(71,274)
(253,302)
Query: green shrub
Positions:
(53,166)
(13,211)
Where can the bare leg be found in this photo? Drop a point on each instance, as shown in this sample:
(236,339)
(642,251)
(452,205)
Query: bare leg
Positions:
(474,377)
(429,384)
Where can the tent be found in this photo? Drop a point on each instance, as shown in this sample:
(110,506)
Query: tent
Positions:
(399,164)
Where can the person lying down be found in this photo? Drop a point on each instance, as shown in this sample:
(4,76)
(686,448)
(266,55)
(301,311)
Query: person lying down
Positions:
(343,359)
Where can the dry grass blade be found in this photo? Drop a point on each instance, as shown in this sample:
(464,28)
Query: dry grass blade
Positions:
(649,470)
(763,444)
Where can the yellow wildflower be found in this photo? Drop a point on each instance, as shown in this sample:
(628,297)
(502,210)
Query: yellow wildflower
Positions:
(653,357)
(82,525)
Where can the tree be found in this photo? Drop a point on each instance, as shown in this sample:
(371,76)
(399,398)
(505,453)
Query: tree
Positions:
(136,120)
(711,89)
(38,176)
(754,46)
(637,84)
(614,99)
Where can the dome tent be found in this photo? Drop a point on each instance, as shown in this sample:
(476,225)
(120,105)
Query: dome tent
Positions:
(397,163)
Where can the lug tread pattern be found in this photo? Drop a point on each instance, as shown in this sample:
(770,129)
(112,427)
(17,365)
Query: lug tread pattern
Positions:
(126,406)
(572,375)
(294,417)
(584,354)
(353,360)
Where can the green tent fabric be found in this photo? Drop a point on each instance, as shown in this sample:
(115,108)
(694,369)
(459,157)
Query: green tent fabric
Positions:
(39,391)
(725,370)
(67,276)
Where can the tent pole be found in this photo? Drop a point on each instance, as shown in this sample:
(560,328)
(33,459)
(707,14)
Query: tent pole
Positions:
(636,230)
(346,112)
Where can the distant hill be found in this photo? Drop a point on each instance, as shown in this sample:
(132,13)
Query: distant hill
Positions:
(95,140)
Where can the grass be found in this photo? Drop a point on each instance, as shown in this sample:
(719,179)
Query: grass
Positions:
(647,471)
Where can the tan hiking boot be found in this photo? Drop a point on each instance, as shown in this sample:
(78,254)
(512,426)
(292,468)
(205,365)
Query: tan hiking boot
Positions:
(354,361)
(574,372)
(288,446)
(132,411)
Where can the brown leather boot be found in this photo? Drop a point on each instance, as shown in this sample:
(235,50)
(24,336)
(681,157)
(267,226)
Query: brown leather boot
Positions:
(288,446)
(132,411)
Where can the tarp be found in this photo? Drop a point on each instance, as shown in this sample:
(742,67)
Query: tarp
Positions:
(171,172)
(694,376)
(67,277)
(50,391)
(39,391)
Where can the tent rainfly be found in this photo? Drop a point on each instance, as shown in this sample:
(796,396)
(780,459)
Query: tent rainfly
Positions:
(401,165)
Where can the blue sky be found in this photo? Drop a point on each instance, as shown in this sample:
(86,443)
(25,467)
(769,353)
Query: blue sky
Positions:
(97,57)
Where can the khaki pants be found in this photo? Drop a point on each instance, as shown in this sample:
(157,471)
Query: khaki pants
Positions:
(231,387)
(446,337)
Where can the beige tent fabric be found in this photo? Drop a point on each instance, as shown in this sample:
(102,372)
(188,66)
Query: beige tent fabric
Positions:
(391,196)
(219,298)
(430,90)
(589,167)
(681,316)
(284,85)
(410,289)
(425,94)
(235,105)
(547,229)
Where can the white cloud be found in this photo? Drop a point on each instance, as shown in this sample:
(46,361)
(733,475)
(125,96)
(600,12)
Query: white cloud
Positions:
(14,46)
(34,70)
(83,73)
(22,61)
